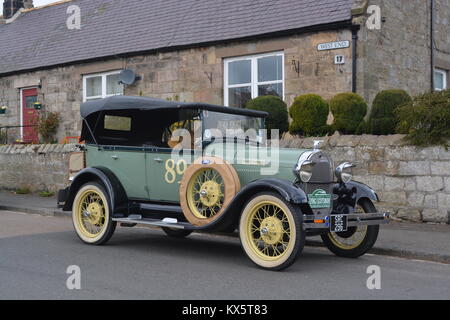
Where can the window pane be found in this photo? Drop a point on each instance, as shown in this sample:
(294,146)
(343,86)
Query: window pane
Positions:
(240,72)
(270,68)
(112,84)
(238,97)
(117,123)
(94,86)
(439,80)
(275,89)
(29,102)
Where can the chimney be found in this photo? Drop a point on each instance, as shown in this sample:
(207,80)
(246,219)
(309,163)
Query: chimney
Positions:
(10,7)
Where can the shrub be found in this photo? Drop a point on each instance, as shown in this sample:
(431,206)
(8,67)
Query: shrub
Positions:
(24,190)
(362,128)
(426,119)
(446,93)
(309,115)
(3,137)
(349,110)
(46,194)
(277,109)
(48,124)
(382,117)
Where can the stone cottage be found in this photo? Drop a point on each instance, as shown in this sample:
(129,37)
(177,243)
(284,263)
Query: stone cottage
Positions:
(220,52)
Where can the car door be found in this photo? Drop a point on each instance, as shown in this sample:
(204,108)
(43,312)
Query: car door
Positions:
(165,167)
(127,164)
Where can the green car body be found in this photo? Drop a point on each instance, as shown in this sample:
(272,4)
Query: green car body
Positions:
(144,178)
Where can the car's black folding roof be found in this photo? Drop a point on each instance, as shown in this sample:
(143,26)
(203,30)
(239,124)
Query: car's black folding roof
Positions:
(140,103)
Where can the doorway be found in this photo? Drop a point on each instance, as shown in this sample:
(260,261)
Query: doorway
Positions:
(30,116)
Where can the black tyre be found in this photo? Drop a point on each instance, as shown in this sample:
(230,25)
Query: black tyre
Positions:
(91,214)
(176,233)
(271,231)
(357,241)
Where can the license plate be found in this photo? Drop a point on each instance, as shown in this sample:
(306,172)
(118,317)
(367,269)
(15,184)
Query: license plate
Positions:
(339,223)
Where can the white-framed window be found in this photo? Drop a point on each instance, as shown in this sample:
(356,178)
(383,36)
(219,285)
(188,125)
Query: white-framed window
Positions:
(101,85)
(249,77)
(440,79)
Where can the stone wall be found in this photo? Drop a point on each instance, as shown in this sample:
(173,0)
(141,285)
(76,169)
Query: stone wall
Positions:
(37,167)
(413,184)
(398,56)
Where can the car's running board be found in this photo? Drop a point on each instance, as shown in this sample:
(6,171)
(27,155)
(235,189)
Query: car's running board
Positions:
(161,208)
(166,222)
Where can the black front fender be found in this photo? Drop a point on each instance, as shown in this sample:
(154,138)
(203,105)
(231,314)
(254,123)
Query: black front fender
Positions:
(286,189)
(117,195)
(363,191)
(230,218)
(351,193)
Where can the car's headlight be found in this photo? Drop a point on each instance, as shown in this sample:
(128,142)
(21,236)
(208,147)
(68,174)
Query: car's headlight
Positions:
(344,172)
(304,170)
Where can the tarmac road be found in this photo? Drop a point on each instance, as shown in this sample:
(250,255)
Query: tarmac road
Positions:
(142,263)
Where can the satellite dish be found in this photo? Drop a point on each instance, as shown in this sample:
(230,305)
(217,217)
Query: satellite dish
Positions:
(128,77)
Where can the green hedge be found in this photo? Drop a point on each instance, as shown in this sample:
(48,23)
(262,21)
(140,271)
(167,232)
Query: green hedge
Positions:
(309,115)
(426,119)
(382,119)
(277,109)
(349,110)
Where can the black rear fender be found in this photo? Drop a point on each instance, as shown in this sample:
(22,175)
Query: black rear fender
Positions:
(117,195)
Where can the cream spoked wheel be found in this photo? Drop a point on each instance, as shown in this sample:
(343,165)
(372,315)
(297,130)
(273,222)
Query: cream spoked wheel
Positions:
(91,214)
(206,193)
(207,188)
(356,241)
(271,231)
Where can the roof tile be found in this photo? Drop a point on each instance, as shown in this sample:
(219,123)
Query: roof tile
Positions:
(40,38)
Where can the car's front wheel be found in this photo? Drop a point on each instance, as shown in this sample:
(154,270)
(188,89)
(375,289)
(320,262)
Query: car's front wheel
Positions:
(91,214)
(356,241)
(271,231)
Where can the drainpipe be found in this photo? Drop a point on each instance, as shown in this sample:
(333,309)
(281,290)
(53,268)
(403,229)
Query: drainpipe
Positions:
(354,57)
(432,5)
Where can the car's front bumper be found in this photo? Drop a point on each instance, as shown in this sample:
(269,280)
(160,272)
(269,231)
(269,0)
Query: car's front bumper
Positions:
(353,220)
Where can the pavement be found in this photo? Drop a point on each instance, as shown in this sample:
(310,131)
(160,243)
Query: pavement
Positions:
(39,256)
(429,242)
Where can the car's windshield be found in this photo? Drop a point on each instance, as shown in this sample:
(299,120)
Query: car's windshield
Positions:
(224,125)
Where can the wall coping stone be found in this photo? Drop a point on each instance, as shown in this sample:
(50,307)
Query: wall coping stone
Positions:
(39,149)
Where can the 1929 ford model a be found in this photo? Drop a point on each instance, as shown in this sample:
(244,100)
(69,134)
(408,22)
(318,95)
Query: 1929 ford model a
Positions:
(141,170)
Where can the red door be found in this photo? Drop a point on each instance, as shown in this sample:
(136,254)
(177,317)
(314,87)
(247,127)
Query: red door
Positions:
(29,116)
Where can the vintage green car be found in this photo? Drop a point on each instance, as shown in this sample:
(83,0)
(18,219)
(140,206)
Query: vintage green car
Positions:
(189,167)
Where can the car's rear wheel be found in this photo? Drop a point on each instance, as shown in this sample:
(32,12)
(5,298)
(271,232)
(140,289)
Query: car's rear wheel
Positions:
(91,214)
(271,231)
(207,188)
(176,233)
(356,241)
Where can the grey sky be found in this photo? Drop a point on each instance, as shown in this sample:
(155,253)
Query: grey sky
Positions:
(36,3)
